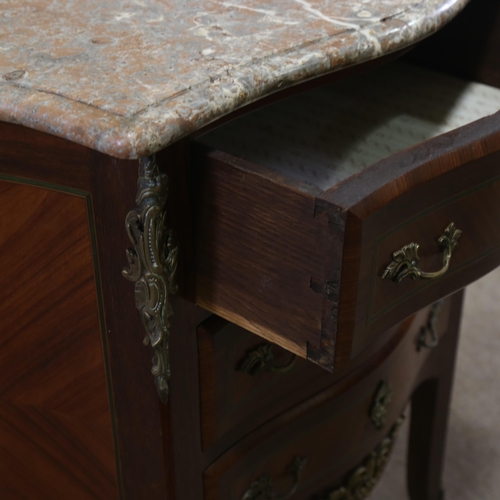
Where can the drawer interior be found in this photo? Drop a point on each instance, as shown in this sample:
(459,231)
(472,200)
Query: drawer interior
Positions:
(327,135)
(299,207)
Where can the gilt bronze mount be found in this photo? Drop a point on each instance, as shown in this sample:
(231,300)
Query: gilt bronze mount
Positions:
(262,488)
(152,266)
(360,483)
(261,360)
(380,406)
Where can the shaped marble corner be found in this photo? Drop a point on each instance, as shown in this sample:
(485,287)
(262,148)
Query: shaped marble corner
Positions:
(129,79)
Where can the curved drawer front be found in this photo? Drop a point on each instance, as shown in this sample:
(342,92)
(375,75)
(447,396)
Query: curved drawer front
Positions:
(428,241)
(328,435)
(245,381)
(296,244)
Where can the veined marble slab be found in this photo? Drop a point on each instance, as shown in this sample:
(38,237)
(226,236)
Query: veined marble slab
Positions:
(128,78)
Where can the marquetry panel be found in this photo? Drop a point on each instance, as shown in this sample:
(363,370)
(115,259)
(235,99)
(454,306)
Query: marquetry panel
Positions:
(56,436)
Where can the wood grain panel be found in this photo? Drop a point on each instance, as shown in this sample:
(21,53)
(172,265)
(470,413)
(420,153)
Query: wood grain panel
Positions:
(234,402)
(31,154)
(299,275)
(479,203)
(388,197)
(332,430)
(55,423)
(259,249)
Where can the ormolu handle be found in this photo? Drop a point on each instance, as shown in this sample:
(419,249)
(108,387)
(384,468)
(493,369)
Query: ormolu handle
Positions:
(406,261)
(261,359)
(262,489)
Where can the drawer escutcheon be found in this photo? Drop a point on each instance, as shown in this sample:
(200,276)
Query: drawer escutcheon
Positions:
(406,260)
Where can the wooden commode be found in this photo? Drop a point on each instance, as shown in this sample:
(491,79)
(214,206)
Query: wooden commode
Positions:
(235,239)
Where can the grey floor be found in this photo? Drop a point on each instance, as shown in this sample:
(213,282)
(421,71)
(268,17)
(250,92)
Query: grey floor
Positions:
(472,469)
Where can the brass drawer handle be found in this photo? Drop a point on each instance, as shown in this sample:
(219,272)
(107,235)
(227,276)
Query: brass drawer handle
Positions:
(261,360)
(405,261)
(428,335)
(262,489)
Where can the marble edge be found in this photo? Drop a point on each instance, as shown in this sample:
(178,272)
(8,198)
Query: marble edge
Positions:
(167,121)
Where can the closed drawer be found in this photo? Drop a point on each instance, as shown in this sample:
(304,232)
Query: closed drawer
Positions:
(333,432)
(245,381)
(301,206)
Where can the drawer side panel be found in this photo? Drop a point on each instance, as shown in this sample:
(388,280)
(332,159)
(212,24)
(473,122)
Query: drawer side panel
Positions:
(259,252)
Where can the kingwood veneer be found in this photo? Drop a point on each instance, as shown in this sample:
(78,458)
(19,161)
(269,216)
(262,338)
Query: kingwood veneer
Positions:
(289,359)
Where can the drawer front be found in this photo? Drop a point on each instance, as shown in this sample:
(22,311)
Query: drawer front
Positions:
(459,203)
(333,432)
(245,381)
(304,269)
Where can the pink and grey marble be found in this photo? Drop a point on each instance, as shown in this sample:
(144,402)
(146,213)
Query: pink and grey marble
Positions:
(128,78)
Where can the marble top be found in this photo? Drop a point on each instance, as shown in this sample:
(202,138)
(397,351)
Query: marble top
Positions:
(128,78)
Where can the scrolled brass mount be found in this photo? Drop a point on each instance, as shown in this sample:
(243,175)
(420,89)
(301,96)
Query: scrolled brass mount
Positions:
(263,489)
(261,360)
(406,260)
(152,266)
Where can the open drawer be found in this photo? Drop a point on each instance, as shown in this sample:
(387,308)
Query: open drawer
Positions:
(306,210)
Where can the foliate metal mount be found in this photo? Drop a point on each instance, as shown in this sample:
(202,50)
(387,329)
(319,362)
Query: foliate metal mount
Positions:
(361,482)
(153,264)
(263,489)
(381,403)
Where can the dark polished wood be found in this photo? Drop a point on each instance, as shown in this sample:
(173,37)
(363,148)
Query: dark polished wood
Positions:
(412,197)
(429,414)
(185,442)
(234,401)
(333,430)
(259,247)
(106,187)
(182,435)
(304,269)
(29,154)
(260,254)
(56,437)
(138,411)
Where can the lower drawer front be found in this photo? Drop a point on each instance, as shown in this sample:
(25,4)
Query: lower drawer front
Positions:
(246,381)
(322,439)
